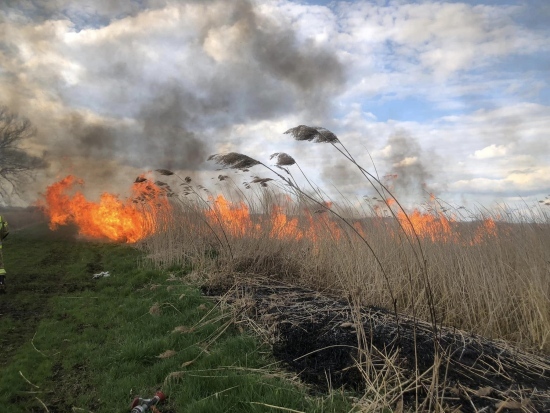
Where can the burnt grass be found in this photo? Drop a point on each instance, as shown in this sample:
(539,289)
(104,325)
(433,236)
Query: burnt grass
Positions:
(317,337)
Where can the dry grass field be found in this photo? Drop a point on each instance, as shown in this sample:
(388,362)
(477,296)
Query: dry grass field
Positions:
(486,275)
(482,272)
(428,299)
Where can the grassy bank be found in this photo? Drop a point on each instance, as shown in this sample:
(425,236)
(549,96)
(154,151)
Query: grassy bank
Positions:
(71,343)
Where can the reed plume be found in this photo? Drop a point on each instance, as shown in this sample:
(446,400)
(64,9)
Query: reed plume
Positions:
(312,133)
(165,172)
(234,160)
(283,159)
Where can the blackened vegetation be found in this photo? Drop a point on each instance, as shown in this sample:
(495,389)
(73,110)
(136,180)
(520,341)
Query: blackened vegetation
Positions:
(317,337)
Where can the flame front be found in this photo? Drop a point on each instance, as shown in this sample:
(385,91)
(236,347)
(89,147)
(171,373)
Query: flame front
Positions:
(121,221)
(236,221)
(436,228)
(234,217)
(282,227)
(137,217)
(439,228)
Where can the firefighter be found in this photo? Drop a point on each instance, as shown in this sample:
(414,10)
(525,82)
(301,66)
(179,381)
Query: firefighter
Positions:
(3,234)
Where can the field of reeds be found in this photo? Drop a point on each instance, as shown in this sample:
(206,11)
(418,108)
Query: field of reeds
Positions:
(483,272)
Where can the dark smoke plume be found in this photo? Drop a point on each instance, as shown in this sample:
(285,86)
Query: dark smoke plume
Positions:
(147,97)
(91,139)
(408,167)
(166,140)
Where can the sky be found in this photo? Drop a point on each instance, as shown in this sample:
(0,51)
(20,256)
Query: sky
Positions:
(443,97)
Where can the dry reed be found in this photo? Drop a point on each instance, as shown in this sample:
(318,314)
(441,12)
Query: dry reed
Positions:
(472,270)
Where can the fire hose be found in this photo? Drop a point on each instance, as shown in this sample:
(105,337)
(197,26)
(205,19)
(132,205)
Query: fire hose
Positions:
(140,405)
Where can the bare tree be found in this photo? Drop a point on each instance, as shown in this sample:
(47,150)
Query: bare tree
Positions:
(15,164)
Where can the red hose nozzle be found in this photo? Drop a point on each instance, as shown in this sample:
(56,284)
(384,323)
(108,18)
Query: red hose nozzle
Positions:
(140,405)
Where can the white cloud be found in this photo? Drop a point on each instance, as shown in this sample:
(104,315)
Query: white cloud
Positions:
(493,151)
(515,183)
(407,49)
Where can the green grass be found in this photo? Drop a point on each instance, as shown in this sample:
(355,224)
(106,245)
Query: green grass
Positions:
(70,343)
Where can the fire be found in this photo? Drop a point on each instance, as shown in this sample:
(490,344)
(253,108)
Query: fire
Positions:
(235,218)
(437,228)
(442,229)
(135,218)
(282,227)
(318,225)
(121,221)
(484,232)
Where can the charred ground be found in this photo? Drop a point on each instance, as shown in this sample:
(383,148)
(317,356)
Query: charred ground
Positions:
(317,336)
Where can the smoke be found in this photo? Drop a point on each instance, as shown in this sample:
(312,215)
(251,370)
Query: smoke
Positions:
(91,139)
(315,73)
(80,12)
(166,142)
(156,138)
(403,166)
(409,168)
(340,173)
(157,84)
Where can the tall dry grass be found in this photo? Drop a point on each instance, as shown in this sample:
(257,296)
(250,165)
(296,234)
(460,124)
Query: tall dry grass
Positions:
(483,271)
(488,275)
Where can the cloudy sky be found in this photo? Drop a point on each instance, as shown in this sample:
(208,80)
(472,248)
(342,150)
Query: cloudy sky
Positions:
(450,97)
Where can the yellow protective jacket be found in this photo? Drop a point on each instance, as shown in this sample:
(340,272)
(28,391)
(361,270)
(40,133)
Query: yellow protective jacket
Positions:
(3,228)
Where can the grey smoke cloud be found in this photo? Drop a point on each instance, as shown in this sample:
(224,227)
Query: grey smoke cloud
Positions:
(235,63)
(157,136)
(82,12)
(165,140)
(90,140)
(403,166)
(410,168)
(342,174)
(157,84)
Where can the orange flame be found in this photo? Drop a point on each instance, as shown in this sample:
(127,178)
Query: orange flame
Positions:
(234,217)
(440,228)
(436,228)
(486,231)
(318,226)
(282,227)
(135,218)
(121,221)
